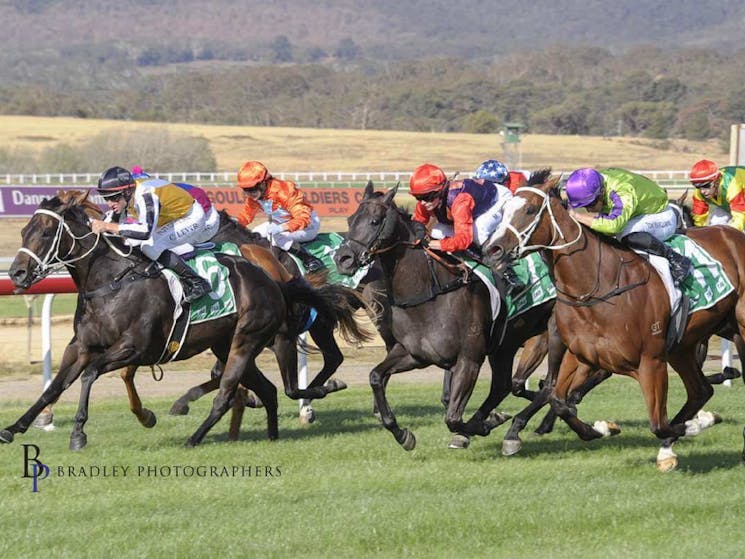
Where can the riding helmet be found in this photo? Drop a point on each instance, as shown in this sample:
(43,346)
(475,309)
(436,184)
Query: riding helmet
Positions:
(493,171)
(252,173)
(583,187)
(115,179)
(704,172)
(425,179)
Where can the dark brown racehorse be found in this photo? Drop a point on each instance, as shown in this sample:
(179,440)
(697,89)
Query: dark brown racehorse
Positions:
(438,317)
(125,313)
(614,313)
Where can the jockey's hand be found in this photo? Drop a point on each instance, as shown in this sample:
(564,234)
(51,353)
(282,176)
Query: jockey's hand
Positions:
(274,228)
(435,245)
(98,226)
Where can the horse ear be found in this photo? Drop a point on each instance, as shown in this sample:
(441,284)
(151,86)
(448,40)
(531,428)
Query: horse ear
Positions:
(683,197)
(369,190)
(391,194)
(553,185)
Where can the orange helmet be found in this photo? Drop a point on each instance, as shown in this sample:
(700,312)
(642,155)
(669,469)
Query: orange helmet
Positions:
(704,173)
(252,173)
(425,179)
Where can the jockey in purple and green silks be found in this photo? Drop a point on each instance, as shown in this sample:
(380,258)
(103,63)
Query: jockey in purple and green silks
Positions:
(627,195)
(630,207)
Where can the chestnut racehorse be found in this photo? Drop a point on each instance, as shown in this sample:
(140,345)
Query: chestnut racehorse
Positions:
(613,311)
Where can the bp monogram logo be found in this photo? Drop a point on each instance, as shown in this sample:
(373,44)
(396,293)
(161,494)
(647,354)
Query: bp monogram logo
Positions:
(33,467)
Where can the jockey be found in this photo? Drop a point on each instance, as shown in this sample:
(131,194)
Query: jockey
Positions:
(291,219)
(719,198)
(156,216)
(212,216)
(496,172)
(631,207)
(466,212)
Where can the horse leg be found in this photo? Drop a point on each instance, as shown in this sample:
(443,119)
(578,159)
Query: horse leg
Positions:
(575,397)
(181,406)
(534,351)
(73,362)
(447,379)
(145,416)
(236,416)
(698,391)
(484,420)
(570,370)
(397,360)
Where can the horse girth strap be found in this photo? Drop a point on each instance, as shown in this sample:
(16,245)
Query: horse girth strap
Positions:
(589,299)
(127,276)
(463,274)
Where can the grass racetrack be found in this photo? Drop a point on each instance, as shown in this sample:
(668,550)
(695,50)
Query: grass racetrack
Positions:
(344,488)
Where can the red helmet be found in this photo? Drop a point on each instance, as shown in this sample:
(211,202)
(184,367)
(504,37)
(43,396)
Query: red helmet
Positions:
(704,172)
(251,174)
(425,179)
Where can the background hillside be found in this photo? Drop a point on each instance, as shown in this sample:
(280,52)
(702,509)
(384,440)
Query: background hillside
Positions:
(650,69)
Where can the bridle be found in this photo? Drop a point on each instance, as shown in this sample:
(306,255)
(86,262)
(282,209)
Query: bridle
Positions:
(382,235)
(522,236)
(53,261)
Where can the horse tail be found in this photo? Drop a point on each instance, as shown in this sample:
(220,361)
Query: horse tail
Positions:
(335,303)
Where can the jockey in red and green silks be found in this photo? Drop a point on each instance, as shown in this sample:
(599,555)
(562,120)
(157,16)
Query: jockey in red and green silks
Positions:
(719,198)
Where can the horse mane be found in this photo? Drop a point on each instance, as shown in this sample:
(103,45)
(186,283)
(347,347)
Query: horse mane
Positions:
(81,199)
(541,176)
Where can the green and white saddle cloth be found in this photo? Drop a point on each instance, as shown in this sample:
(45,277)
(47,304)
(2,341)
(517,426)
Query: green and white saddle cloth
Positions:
(324,247)
(533,273)
(707,284)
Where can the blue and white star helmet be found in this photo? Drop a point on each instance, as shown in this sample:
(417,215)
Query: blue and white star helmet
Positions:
(492,170)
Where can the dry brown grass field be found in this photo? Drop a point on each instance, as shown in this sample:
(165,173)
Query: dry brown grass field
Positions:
(319,150)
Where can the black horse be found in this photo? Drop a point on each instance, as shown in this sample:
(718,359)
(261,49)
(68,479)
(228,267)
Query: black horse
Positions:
(440,315)
(282,267)
(125,313)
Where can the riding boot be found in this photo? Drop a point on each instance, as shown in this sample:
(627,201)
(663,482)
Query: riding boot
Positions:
(680,266)
(310,262)
(512,281)
(194,285)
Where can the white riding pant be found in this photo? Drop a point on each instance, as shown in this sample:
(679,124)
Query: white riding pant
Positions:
(661,225)
(285,239)
(718,216)
(483,226)
(186,230)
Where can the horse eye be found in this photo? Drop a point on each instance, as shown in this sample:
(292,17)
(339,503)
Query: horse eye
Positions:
(375,221)
(531,210)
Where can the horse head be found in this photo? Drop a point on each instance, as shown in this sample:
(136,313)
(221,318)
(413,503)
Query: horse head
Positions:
(528,220)
(51,238)
(373,227)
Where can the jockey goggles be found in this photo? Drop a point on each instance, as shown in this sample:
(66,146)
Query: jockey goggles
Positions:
(705,184)
(429,196)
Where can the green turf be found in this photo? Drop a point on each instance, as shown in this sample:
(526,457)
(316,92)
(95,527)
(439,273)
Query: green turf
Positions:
(344,488)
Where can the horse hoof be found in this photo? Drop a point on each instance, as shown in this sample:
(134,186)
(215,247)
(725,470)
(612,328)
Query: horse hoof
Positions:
(409,440)
(606,428)
(511,446)
(667,464)
(730,372)
(253,401)
(459,442)
(148,420)
(179,409)
(78,442)
(44,420)
(334,385)
(307,415)
(6,437)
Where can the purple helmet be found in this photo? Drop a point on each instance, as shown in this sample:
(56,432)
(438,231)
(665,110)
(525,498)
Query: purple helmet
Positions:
(583,187)
(493,171)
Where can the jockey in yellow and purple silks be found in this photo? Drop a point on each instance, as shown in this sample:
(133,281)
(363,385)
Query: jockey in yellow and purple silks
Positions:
(155,217)
(630,207)
(719,198)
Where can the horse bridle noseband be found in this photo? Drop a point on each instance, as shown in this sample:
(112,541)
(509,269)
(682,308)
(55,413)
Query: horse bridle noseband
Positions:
(383,234)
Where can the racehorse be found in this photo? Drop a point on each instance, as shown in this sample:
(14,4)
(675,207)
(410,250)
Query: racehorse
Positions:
(282,267)
(125,313)
(614,315)
(439,316)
